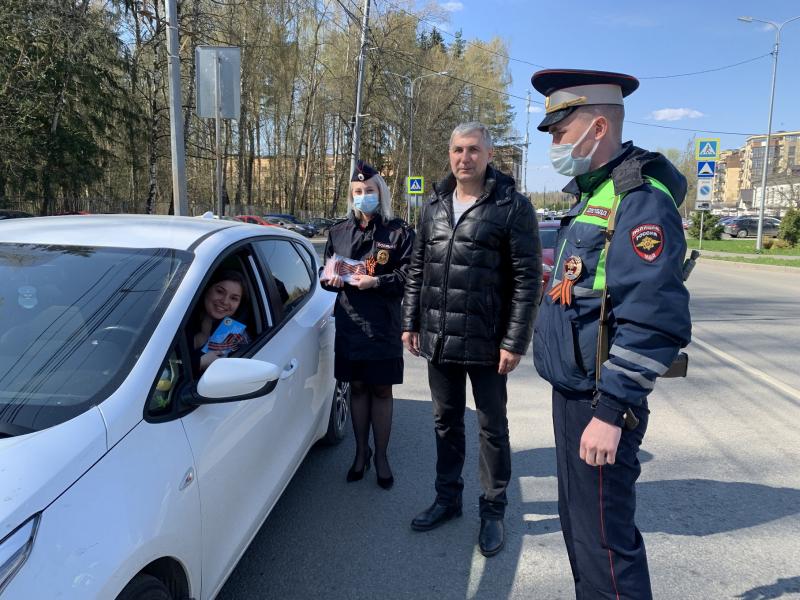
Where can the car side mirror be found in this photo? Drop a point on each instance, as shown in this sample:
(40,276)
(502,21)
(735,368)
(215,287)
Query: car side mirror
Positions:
(234,379)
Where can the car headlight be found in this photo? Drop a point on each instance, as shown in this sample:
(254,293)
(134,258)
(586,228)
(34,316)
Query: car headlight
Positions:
(15,549)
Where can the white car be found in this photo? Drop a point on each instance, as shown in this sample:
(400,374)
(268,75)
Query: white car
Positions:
(123,472)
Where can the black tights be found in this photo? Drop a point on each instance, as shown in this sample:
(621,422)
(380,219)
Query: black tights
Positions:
(371,405)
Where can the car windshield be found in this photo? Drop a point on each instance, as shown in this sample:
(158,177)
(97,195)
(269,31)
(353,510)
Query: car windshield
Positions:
(548,237)
(73,321)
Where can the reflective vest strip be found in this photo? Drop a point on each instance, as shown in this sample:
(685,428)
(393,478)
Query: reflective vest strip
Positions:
(603,199)
(598,207)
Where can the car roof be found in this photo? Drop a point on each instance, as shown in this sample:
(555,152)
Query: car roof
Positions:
(120,231)
(549,224)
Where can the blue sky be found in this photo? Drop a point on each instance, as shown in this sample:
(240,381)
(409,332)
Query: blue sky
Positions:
(647,39)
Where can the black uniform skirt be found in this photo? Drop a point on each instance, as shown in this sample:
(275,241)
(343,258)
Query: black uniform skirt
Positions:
(388,371)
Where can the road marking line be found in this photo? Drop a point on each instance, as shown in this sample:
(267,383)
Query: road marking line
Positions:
(776,383)
(475,573)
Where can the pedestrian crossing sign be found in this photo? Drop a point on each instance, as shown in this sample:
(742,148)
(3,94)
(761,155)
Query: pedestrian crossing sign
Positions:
(707,149)
(415,185)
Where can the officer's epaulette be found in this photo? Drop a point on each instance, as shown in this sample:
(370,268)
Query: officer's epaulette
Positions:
(396,223)
(339,222)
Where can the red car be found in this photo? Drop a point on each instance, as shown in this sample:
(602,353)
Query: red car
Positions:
(548,233)
(254,220)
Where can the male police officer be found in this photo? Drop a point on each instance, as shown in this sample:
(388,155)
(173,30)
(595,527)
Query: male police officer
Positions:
(619,256)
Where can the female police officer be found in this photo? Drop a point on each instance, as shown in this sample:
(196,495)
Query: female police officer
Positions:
(369,351)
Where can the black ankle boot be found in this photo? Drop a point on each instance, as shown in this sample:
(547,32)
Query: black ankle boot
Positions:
(358,475)
(491,537)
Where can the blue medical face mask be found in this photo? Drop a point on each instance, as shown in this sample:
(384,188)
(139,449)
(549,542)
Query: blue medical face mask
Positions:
(565,163)
(367,204)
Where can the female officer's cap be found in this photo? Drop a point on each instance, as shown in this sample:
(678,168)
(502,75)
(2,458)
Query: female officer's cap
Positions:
(567,89)
(363,172)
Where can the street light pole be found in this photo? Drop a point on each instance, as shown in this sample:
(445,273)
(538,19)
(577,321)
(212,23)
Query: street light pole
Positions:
(362,57)
(775,50)
(411,83)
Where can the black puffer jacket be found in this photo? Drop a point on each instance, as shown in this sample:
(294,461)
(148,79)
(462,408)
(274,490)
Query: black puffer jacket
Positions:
(473,289)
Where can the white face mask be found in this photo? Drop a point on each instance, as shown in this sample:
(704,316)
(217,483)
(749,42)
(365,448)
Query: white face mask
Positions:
(565,163)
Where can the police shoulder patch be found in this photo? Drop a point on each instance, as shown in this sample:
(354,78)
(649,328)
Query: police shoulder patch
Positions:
(648,241)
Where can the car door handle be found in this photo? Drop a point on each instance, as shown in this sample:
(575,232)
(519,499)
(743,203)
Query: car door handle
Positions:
(290,369)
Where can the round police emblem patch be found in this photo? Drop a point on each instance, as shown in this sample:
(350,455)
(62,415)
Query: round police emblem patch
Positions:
(383,257)
(648,241)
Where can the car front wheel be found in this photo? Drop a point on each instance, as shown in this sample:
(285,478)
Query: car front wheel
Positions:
(340,410)
(145,587)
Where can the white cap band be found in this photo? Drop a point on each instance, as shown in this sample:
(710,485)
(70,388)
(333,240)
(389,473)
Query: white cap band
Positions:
(583,95)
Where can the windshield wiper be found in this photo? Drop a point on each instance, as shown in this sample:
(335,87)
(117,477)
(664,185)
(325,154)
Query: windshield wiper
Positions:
(11,430)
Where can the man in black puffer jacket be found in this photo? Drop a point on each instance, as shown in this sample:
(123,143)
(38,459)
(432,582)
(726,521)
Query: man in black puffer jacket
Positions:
(470,301)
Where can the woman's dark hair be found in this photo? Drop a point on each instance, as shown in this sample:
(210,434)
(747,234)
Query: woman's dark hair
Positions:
(228,275)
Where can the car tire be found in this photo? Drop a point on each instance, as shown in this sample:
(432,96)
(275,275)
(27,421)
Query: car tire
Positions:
(340,411)
(145,587)
(742,233)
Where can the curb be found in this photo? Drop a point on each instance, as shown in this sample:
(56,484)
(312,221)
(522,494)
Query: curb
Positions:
(756,266)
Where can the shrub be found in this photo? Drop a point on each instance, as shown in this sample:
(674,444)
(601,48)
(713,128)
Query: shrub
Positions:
(712,228)
(790,227)
(778,243)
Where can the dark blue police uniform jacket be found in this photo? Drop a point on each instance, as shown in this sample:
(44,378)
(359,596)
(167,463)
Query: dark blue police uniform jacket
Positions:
(649,317)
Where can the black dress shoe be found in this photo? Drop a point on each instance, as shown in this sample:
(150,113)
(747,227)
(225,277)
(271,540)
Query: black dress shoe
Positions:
(385,482)
(492,536)
(358,475)
(434,516)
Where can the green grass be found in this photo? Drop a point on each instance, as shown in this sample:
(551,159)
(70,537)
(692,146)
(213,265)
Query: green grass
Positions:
(783,262)
(741,246)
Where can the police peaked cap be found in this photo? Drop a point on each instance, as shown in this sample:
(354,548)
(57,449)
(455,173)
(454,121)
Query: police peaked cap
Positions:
(567,89)
(363,172)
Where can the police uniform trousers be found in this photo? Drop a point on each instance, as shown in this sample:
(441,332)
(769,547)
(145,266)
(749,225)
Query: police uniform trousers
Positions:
(448,390)
(597,506)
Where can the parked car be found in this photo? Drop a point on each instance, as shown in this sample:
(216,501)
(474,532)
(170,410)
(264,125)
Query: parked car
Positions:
(305,229)
(13,214)
(253,220)
(548,235)
(281,222)
(125,474)
(742,227)
(322,225)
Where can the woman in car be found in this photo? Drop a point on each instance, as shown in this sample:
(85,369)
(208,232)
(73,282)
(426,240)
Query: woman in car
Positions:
(213,331)
(367,255)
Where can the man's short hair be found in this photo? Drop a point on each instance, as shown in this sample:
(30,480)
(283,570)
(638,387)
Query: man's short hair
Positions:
(472,127)
(614,114)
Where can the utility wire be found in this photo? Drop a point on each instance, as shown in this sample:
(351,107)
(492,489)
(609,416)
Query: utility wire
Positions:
(510,95)
(466,42)
(744,62)
(688,129)
(527,62)
(404,58)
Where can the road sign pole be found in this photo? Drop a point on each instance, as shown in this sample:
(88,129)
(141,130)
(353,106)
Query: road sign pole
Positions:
(700,243)
(410,140)
(218,130)
(180,204)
